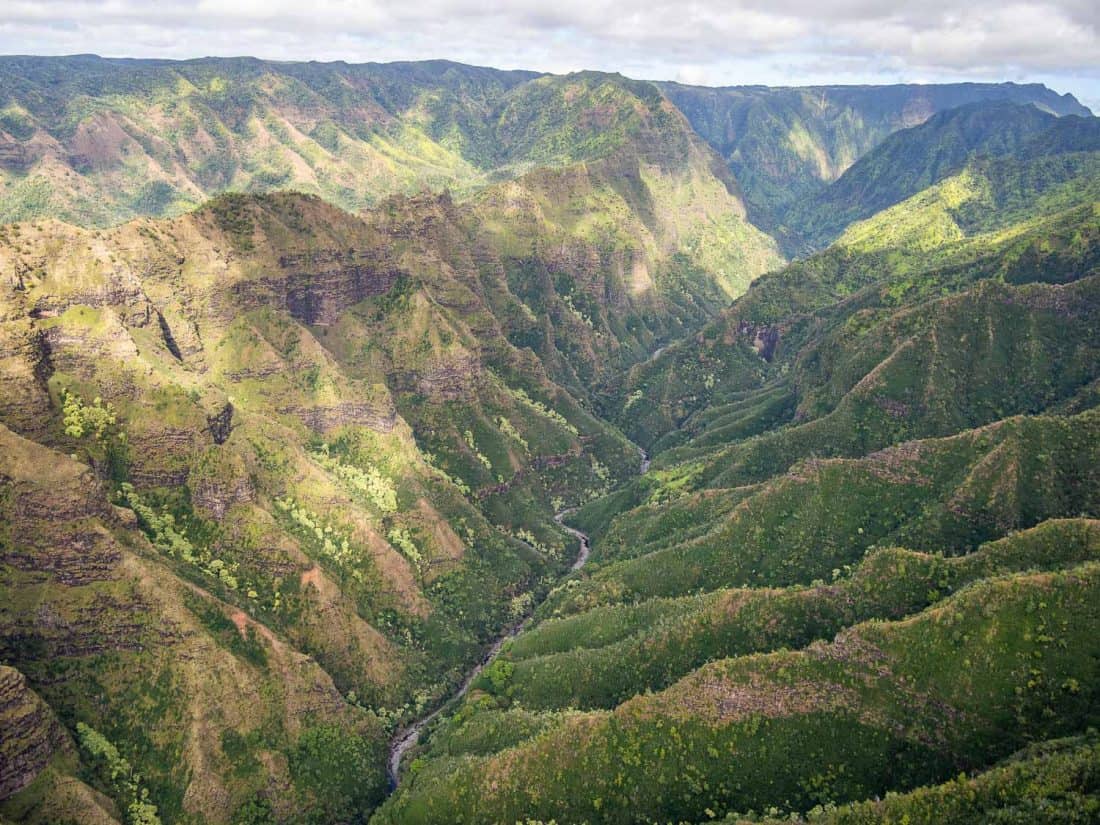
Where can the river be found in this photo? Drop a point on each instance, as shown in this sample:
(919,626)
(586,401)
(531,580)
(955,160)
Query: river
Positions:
(407,736)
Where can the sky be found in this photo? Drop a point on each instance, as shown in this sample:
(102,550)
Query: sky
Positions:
(708,42)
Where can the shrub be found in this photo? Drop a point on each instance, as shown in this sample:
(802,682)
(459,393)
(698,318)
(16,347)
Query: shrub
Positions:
(341,769)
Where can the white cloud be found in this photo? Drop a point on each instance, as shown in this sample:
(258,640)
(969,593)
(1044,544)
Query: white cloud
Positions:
(711,41)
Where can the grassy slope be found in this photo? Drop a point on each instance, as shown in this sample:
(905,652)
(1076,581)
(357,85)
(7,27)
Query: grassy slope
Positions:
(209,704)
(316,510)
(885,705)
(603,656)
(1050,782)
(98,141)
(326,419)
(911,160)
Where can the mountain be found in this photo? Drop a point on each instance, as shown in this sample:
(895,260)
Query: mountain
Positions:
(834,677)
(95,141)
(911,160)
(786,144)
(1023,217)
(881,706)
(510,472)
(328,439)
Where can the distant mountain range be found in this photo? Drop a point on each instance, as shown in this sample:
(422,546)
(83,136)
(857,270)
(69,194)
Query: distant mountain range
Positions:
(95,141)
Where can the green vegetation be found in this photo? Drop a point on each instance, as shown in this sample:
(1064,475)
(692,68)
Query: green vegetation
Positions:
(910,161)
(894,704)
(341,770)
(162,530)
(785,145)
(82,419)
(715,655)
(625,650)
(276,474)
(119,775)
(1049,782)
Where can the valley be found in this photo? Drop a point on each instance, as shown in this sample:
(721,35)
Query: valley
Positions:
(407,737)
(420,443)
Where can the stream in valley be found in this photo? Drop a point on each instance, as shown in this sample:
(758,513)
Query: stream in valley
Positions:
(407,736)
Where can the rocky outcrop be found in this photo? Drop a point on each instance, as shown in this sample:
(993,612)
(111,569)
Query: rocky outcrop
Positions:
(73,556)
(180,335)
(764,338)
(30,734)
(24,369)
(317,287)
(444,380)
(159,458)
(215,496)
(58,510)
(15,156)
(73,623)
(66,497)
(219,480)
(119,289)
(381,417)
(449,380)
(78,349)
(220,423)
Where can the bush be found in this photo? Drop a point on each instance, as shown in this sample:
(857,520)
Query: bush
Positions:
(341,770)
(116,771)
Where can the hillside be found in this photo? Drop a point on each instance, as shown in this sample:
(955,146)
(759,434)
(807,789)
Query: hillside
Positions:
(1016,218)
(911,160)
(845,491)
(348,435)
(96,141)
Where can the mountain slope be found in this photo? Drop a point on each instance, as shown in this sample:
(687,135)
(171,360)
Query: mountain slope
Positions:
(861,471)
(93,140)
(785,144)
(1017,218)
(891,704)
(96,141)
(316,430)
(911,160)
(187,684)
(344,432)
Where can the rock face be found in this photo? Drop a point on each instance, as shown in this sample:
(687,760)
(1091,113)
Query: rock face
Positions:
(221,423)
(30,734)
(443,380)
(218,481)
(764,338)
(84,594)
(15,156)
(317,287)
(380,417)
(24,403)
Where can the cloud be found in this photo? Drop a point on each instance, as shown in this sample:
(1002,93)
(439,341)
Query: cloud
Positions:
(709,41)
